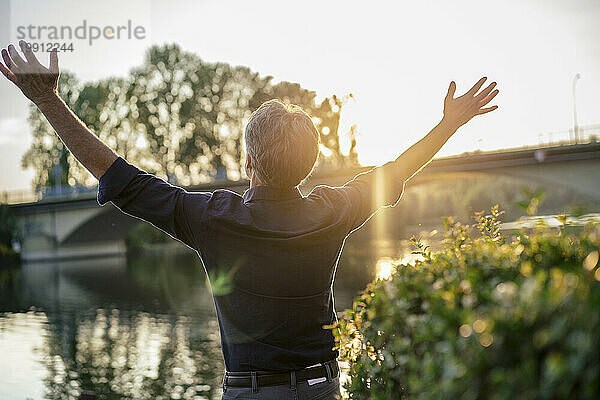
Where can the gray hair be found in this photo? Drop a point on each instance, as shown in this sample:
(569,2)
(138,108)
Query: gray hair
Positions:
(283,144)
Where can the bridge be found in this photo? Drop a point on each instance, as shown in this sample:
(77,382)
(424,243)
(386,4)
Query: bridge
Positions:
(76,226)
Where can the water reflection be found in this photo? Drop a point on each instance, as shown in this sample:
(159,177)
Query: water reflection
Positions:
(21,347)
(137,327)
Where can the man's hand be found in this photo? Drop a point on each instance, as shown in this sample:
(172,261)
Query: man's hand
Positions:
(40,85)
(35,81)
(458,111)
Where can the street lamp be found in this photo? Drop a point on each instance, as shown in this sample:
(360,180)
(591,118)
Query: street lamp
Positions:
(575,127)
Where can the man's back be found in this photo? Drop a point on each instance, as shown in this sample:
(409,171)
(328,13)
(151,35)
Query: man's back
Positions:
(270,254)
(276,242)
(274,253)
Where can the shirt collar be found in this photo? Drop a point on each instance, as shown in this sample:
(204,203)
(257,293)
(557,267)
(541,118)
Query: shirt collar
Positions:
(271,193)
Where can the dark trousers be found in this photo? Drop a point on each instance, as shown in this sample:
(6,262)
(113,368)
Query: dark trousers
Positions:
(328,390)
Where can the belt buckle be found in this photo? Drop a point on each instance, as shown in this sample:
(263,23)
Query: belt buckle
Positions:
(327,378)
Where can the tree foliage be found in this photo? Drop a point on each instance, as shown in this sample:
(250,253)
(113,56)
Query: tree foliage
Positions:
(484,318)
(177,116)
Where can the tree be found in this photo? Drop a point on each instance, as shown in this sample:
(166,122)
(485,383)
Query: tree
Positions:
(176,116)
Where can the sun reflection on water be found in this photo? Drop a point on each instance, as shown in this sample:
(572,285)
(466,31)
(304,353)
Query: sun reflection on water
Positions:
(384,267)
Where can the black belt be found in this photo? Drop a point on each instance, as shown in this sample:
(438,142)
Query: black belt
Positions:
(265,378)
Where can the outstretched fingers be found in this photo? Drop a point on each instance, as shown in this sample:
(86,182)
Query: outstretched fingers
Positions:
(451,91)
(476,87)
(486,110)
(26,49)
(485,91)
(16,58)
(7,73)
(488,98)
(9,62)
(54,62)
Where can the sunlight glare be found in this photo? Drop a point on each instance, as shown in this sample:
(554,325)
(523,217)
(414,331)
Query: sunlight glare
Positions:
(324,150)
(348,117)
(384,268)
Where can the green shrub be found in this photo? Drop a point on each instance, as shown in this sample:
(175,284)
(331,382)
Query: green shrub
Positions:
(483,318)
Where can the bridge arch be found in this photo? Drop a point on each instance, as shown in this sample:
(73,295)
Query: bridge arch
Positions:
(110,224)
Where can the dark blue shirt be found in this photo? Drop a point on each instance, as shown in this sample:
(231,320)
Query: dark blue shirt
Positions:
(270,255)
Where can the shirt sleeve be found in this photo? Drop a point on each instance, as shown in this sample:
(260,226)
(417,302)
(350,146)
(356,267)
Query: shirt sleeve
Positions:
(369,191)
(140,194)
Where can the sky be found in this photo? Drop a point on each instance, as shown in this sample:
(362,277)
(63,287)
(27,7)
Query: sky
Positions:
(396,58)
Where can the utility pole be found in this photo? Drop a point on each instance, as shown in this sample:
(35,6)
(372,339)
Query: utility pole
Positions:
(575,126)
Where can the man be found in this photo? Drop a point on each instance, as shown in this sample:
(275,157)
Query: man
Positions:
(270,254)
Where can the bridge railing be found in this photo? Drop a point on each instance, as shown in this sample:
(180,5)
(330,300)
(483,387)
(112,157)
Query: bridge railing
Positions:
(584,134)
(18,196)
(51,193)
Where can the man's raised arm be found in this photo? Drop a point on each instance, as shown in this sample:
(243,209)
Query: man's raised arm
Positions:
(40,84)
(132,190)
(457,112)
(383,186)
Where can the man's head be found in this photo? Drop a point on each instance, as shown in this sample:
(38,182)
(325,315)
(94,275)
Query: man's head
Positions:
(282,144)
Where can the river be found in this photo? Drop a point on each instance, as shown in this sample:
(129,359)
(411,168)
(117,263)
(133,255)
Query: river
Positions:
(141,326)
